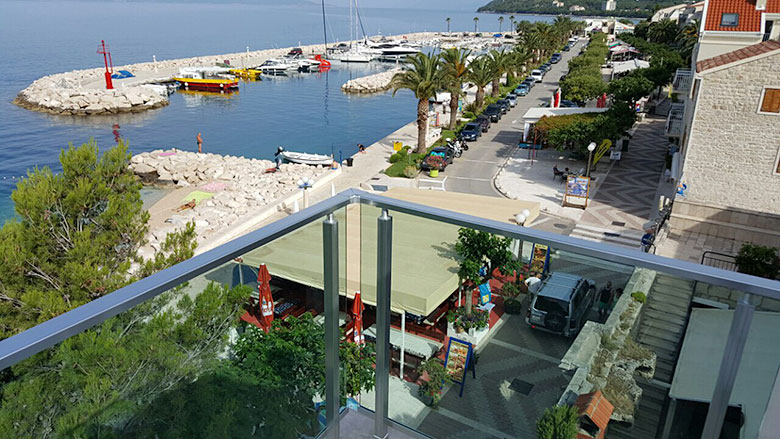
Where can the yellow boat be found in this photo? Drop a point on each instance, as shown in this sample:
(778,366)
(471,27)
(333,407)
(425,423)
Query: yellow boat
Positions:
(246,73)
(206,81)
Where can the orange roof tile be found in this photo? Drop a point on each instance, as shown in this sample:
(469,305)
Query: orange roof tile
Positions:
(749,17)
(738,55)
(596,407)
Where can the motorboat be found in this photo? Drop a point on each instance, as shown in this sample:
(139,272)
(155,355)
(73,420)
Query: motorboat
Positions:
(355,56)
(206,78)
(253,74)
(277,65)
(306,158)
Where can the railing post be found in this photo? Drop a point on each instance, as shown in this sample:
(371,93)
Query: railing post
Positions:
(729,366)
(330,260)
(383,273)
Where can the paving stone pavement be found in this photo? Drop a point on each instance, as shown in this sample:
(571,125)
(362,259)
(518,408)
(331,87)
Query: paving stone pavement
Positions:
(626,199)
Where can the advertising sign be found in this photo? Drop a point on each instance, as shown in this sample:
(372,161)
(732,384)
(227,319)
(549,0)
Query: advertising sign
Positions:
(577,187)
(540,257)
(459,354)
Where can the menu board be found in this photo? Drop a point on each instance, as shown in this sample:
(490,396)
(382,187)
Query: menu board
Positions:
(458,356)
(577,187)
(540,256)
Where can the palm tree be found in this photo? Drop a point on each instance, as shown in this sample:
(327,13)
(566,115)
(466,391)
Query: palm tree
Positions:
(456,70)
(498,60)
(512,21)
(476,20)
(480,74)
(664,31)
(500,23)
(448,24)
(424,79)
(532,41)
(519,58)
(548,35)
(565,25)
(688,37)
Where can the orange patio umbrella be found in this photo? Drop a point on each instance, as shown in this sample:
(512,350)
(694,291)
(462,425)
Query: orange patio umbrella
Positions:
(266,299)
(357,319)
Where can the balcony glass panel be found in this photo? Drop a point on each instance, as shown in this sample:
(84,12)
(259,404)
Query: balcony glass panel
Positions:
(192,361)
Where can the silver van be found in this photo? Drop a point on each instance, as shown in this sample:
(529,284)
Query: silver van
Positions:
(561,306)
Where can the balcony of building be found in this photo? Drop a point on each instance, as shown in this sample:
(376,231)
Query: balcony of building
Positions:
(675,121)
(683,80)
(401,256)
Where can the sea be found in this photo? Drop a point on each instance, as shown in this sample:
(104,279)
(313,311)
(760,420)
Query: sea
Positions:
(301,112)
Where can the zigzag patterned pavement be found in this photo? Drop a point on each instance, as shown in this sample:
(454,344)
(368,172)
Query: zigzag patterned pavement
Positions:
(626,198)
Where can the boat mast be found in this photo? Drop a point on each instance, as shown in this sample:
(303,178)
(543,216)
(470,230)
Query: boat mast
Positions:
(324,30)
(350,24)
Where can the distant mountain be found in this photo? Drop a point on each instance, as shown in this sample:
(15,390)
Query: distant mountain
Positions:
(625,8)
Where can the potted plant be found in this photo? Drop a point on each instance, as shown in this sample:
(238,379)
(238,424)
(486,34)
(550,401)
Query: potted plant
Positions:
(462,321)
(434,377)
(435,163)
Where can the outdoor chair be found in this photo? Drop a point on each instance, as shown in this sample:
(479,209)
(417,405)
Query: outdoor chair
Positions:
(558,173)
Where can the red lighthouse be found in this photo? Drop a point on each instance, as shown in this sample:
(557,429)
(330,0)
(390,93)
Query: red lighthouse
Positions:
(103,49)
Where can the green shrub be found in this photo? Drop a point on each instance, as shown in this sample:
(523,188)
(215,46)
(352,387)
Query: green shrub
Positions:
(559,422)
(758,260)
(513,306)
(469,115)
(410,171)
(639,296)
(395,158)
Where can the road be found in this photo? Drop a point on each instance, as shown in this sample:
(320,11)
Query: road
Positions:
(473,173)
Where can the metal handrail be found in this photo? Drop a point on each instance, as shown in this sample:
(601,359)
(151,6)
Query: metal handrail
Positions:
(57,329)
(728,262)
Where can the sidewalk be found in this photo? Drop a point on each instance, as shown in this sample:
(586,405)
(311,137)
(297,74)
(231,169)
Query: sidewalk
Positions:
(628,197)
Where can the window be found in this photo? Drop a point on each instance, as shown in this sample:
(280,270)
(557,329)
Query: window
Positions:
(729,20)
(770,101)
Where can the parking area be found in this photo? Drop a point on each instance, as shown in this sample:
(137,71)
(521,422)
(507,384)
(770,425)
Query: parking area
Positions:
(517,372)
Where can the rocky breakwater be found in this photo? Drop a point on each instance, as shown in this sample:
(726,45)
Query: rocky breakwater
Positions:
(371,83)
(227,190)
(63,94)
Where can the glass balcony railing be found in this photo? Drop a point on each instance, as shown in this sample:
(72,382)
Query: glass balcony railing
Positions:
(683,80)
(675,120)
(190,351)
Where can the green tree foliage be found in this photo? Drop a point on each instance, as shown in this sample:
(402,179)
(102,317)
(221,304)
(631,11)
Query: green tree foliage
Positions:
(499,61)
(758,260)
(97,380)
(559,422)
(625,8)
(455,69)
(75,238)
(424,78)
(664,59)
(663,32)
(582,88)
(575,131)
(630,88)
(476,249)
(357,368)
(584,80)
(480,74)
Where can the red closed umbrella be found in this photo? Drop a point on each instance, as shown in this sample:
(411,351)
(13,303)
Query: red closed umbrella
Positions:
(357,319)
(266,299)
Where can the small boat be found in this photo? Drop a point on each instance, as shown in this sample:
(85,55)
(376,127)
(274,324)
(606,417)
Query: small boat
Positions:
(306,158)
(355,56)
(252,74)
(277,65)
(205,78)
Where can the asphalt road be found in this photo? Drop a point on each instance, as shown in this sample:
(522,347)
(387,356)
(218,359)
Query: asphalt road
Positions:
(473,172)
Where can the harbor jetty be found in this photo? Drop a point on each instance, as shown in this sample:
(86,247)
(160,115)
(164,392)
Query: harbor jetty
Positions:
(375,83)
(215,192)
(83,92)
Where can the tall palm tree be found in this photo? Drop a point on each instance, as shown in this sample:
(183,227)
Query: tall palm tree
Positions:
(519,60)
(548,35)
(498,60)
(532,41)
(480,74)
(663,31)
(476,20)
(688,37)
(456,70)
(424,78)
(448,24)
(565,25)
(512,21)
(500,23)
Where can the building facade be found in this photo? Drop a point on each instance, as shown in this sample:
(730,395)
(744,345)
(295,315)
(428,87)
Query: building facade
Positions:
(610,5)
(730,25)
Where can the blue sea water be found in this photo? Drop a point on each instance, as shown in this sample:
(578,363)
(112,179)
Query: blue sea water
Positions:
(307,113)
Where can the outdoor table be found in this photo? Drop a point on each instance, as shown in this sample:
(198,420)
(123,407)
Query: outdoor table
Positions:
(414,344)
(320,318)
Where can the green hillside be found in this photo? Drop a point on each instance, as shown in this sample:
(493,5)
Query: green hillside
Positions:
(625,8)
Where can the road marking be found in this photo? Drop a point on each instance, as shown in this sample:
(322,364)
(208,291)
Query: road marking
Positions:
(515,348)
(469,178)
(479,161)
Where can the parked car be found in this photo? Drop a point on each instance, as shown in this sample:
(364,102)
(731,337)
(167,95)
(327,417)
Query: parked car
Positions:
(504,104)
(537,75)
(545,67)
(512,98)
(484,122)
(494,111)
(471,131)
(568,104)
(566,48)
(556,57)
(530,82)
(442,151)
(561,305)
(522,89)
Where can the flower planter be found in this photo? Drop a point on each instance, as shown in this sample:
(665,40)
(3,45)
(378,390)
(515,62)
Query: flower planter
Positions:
(433,172)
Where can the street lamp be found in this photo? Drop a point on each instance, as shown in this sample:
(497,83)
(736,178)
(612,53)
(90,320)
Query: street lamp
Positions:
(517,245)
(305,183)
(591,147)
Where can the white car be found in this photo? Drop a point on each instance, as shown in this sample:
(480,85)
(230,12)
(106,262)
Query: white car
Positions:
(538,75)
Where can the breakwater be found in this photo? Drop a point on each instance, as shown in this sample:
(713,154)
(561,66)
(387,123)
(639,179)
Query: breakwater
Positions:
(82,92)
(216,192)
(370,84)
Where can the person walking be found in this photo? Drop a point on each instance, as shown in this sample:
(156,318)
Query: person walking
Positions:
(605,300)
(199,139)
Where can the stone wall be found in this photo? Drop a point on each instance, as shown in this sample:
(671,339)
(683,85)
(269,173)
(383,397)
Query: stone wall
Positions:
(732,151)
(371,83)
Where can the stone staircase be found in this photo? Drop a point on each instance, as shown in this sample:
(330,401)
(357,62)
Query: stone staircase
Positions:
(660,329)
